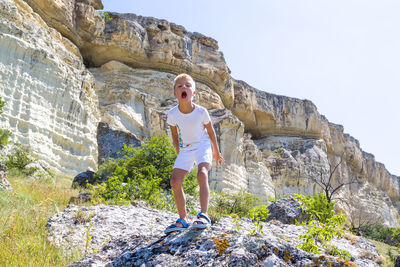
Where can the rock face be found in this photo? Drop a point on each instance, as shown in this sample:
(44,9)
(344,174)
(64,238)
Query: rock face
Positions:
(50,102)
(286,211)
(77,87)
(133,236)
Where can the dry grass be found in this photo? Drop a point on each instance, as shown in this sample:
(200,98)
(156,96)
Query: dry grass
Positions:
(23,217)
(388,253)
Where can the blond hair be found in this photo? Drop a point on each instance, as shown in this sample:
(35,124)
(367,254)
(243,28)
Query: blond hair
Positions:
(184,75)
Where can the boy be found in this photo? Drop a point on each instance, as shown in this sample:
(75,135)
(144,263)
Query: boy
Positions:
(192,135)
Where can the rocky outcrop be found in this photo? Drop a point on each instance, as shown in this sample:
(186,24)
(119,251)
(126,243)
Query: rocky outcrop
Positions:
(268,114)
(287,211)
(50,102)
(141,42)
(132,236)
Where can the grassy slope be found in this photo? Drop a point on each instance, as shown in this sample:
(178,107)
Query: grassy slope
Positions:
(23,217)
(387,251)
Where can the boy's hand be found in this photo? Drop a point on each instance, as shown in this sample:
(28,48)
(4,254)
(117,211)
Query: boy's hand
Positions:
(218,157)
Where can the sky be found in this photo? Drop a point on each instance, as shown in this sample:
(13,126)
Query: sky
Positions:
(343,55)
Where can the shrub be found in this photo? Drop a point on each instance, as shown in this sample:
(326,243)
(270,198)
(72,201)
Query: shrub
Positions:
(240,203)
(317,206)
(143,173)
(4,133)
(258,215)
(20,157)
(382,233)
(156,152)
(322,226)
(105,15)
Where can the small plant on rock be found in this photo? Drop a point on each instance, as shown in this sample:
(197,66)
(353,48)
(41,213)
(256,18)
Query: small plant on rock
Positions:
(258,215)
(105,15)
(323,224)
(236,222)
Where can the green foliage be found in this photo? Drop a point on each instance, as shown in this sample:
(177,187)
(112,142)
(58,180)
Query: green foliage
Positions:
(317,206)
(378,232)
(20,157)
(239,203)
(258,215)
(105,15)
(4,136)
(155,156)
(23,217)
(143,173)
(323,223)
(382,233)
(391,255)
(334,251)
(2,103)
(320,234)
(4,133)
(190,185)
(236,222)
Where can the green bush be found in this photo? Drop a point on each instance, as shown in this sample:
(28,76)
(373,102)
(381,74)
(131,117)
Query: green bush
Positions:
(4,133)
(143,173)
(4,136)
(322,226)
(105,15)
(240,203)
(20,157)
(382,233)
(156,152)
(317,207)
(258,215)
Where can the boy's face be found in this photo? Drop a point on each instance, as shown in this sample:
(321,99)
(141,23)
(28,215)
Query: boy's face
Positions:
(184,90)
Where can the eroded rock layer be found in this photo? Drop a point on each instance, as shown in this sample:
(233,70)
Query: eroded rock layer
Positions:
(50,102)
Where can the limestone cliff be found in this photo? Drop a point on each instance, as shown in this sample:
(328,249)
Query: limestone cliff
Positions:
(78,86)
(50,101)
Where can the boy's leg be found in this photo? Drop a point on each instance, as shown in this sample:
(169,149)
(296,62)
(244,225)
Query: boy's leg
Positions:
(202,180)
(176,183)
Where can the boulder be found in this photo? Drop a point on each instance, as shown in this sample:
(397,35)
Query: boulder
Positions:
(397,261)
(287,211)
(83,179)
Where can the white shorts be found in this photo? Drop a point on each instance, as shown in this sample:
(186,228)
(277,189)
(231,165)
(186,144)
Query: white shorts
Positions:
(196,153)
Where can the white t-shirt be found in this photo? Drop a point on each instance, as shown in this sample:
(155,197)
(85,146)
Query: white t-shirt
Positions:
(190,126)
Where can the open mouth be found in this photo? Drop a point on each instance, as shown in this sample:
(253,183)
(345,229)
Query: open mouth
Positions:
(184,95)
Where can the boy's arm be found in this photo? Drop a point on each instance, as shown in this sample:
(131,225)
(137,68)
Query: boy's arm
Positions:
(175,137)
(211,133)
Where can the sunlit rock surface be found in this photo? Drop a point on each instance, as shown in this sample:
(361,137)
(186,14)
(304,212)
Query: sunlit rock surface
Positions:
(50,102)
(133,236)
